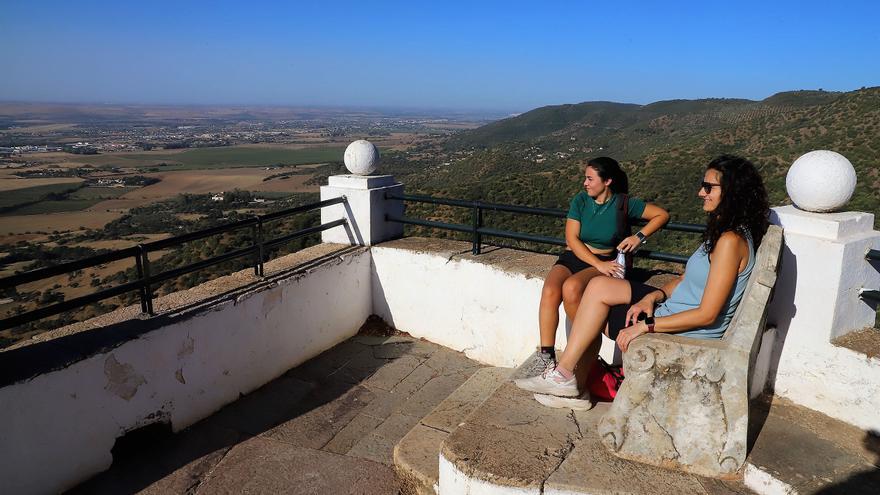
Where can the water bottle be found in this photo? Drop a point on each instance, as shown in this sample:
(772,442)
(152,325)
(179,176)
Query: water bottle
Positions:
(621,260)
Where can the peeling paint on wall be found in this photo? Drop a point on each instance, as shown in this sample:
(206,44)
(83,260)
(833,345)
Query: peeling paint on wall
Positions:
(187,348)
(122,380)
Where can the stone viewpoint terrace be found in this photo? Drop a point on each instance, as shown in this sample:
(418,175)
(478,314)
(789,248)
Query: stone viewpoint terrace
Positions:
(373,363)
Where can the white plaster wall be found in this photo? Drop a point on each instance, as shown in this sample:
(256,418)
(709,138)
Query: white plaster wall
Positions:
(452,481)
(63,424)
(835,381)
(489,314)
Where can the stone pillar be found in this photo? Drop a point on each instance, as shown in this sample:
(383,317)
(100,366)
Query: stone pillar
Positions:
(823,270)
(365,209)
(817,299)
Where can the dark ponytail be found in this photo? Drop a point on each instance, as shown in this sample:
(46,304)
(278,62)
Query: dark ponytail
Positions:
(608,168)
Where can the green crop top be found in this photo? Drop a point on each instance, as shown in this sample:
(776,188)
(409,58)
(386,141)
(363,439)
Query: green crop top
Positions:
(599,222)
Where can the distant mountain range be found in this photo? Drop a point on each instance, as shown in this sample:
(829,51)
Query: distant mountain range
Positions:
(537,158)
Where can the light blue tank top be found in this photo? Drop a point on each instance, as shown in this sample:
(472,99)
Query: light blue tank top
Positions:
(690,291)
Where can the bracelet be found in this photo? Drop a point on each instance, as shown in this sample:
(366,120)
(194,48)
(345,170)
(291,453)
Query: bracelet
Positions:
(642,237)
(665,297)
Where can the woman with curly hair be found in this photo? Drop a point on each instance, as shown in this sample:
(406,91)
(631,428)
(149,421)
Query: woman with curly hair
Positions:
(699,304)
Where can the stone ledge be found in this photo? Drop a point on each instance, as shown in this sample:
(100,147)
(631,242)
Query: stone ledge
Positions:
(527,263)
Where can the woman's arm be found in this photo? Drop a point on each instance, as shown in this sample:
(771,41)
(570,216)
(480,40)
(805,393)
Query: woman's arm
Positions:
(656,217)
(573,240)
(727,257)
(651,300)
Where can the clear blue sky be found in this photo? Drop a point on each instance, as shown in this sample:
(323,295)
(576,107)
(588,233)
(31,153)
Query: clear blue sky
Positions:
(445,54)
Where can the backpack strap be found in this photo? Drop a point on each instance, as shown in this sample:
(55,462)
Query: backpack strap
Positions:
(624,229)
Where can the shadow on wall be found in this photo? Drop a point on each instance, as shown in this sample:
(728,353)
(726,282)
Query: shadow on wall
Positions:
(380,300)
(866,481)
(782,310)
(351,227)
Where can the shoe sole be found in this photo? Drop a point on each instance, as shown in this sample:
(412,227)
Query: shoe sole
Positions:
(572,394)
(564,402)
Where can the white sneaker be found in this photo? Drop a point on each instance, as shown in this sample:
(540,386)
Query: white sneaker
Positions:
(550,382)
(580,403)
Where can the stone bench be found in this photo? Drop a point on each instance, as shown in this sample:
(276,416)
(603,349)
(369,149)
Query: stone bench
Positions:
(685,402)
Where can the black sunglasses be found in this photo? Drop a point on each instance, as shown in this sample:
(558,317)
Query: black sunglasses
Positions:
(707,186)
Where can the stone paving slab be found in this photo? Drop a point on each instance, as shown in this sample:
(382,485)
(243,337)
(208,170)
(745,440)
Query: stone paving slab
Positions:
(264,465)
(462,402)
(379,444)
(358,428)
(317,426)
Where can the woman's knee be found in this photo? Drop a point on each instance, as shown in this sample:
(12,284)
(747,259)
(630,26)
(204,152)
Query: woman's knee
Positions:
(607,290)
(572,290)
(552,293)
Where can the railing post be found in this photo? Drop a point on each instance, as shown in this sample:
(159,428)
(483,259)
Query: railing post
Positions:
(258,247)
(140,273)
(145,278)
(478,222)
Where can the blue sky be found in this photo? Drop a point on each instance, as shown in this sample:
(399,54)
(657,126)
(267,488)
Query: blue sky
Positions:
(510,56)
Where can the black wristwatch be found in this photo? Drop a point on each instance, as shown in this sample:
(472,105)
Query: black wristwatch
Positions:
(641,236)
(649,320)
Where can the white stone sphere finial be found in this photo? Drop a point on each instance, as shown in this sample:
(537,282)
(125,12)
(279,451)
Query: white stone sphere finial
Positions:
(361,157)
(821,181)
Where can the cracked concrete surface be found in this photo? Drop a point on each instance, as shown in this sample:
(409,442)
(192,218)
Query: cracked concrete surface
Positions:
(328,426)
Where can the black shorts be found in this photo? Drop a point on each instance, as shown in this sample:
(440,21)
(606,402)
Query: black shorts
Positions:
(575,264)
(617,315)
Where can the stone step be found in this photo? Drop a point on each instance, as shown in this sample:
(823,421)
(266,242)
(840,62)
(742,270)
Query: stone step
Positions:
(800,451)
(512,444)
(415,456)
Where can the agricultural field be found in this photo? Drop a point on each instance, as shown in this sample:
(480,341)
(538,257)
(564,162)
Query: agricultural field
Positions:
(12,198)
(8,182)
(14,225)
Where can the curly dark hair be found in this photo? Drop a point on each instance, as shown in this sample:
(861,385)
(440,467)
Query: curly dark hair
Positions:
(744,207)
(608,168)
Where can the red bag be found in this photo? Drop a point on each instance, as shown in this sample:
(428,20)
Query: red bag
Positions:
(604,380)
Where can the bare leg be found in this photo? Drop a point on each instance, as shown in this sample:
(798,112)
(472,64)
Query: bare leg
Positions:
(591,316)
(572,293)
(551,298)
(573,290)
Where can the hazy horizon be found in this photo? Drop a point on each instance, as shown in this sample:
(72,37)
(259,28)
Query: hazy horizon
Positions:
(498,57)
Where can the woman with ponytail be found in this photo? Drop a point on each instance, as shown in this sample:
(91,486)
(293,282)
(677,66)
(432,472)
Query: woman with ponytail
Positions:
(594,233)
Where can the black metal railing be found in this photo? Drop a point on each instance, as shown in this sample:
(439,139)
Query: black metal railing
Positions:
(478,230)
(146,280)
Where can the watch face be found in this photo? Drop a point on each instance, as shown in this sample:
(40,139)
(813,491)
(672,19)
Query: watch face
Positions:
(649,320)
